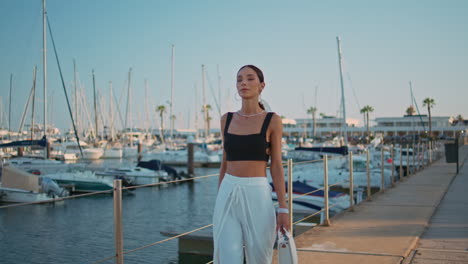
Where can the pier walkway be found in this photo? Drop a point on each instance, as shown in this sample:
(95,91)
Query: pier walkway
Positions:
(423,219)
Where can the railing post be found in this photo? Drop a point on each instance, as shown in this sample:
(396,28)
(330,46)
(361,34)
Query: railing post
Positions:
(423,156)
(401,162)
(368,175)
(382,182)
(392,156)
(415,158)
(408,171)
(325,190)
(351,183)
(190,160)
(430,152)
(118,232)
(290,193)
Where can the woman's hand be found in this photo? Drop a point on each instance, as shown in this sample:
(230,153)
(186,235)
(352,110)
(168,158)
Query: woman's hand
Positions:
(282,219)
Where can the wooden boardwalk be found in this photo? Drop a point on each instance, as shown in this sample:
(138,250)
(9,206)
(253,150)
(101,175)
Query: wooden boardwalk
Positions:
(423,219)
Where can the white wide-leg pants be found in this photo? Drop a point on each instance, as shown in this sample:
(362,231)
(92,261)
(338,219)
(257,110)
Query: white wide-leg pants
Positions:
(244,219)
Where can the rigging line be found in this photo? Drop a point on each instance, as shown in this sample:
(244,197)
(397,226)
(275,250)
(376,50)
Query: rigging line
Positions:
(26,108)
(354,91)
(212,91)
(350,83)
(417,108)
(117,103)
(63,85)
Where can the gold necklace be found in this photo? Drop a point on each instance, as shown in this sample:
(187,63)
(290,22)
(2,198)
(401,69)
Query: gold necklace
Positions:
(244,115)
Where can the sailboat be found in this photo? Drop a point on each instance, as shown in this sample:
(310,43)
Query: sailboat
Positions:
(317,152)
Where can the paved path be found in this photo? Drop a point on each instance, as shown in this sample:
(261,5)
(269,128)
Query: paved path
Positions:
(445,241)
(388,228)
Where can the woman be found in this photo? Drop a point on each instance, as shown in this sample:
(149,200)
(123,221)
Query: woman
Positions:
(244,219)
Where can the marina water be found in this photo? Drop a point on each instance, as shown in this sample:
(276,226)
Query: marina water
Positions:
(81,230)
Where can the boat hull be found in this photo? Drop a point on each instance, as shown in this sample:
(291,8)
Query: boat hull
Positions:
(12,195)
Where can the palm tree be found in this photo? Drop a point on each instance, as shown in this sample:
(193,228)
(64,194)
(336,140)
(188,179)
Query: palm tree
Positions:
(410,110)
(312,110)
(429,103)
(161,109)
(460,119)
(366,110)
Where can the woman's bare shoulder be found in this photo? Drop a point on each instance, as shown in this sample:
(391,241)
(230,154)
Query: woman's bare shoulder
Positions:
(276,120)
(224,117)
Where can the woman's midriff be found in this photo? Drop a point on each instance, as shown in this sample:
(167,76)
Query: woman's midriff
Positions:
(248,168)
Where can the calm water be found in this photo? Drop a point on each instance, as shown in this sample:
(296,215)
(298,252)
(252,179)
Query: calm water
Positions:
(81,230)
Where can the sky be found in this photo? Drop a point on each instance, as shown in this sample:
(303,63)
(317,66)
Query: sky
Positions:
(385,45)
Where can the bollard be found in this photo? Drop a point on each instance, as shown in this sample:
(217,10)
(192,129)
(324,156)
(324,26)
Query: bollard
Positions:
(20,151)
(325,190)
(392,156)
(368,175)
(48,150)
(382,176)
(190,163)
(290,194)
(401,162)
(118,232)
(351,183)
(139,146)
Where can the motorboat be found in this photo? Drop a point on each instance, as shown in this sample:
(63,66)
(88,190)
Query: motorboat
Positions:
(314,201)
(338,173)
(135,175)
(19,186)
(89,153)
(82,181)
(202,158)
(112,153)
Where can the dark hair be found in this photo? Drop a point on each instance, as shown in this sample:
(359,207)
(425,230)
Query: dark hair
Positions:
(260,76)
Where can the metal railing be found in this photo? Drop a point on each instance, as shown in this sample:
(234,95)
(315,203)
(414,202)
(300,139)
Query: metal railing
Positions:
(418,162)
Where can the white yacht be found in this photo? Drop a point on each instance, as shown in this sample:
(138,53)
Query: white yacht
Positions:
(135,176)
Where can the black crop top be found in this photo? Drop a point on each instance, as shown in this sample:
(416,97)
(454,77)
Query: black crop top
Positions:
(246,147)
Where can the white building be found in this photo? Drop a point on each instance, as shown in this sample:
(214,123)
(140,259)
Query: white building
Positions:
(416,124)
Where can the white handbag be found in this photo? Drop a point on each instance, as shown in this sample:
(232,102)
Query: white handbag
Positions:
(287,253)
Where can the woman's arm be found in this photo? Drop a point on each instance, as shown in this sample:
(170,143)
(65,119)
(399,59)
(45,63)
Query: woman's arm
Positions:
(276,169)
(222,169)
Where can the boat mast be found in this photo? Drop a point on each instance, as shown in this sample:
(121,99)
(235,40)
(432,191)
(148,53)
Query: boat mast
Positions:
(205,112)
(111,110)
(196,110)
(345,130)
(219,90)
(95,107)
(33,99)
(9,106)
(44,64)
(76,94)
(128,106)
(172,91)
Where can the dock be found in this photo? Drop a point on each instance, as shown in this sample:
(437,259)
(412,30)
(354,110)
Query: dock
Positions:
(423,219)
